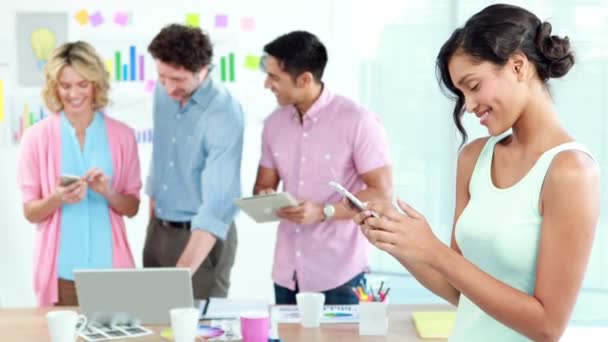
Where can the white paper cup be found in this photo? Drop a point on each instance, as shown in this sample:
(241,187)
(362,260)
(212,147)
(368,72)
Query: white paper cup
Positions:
(184,323)
(310,306)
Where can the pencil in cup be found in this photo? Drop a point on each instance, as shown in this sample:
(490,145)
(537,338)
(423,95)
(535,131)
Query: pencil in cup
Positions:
(368,295)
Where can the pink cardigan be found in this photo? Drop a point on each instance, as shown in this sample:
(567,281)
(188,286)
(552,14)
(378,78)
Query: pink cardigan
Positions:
(39,168)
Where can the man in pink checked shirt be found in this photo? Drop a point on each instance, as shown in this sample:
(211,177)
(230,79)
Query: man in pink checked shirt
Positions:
(313,138)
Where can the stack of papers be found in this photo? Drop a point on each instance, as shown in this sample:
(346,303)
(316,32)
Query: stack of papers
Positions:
(434,324)
(227,330)
(224,308)
(94,333)
(331,314)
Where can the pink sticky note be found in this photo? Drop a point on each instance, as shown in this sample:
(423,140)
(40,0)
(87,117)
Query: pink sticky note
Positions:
(121,18)
(96,19)
(150,84)
(221,20)
(248,24)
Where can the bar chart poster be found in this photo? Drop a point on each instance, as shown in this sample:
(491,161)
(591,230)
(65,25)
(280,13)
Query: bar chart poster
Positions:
(144,136)
(227,67)
(126,62)
(127,67)
(133,107)
(25,113)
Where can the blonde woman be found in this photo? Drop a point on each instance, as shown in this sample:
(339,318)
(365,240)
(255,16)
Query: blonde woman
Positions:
(80,225)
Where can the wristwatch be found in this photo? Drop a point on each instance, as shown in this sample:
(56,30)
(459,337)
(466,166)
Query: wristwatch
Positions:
(328,211)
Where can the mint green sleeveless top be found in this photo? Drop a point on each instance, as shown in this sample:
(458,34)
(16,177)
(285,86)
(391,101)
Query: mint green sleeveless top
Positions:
(499,232)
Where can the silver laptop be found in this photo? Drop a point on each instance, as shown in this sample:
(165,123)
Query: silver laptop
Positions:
(142,295)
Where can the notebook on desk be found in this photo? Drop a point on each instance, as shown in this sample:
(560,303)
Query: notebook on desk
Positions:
(434,324)
(224,308)
(331,314)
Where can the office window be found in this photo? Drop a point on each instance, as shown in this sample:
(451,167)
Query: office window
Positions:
(398,82)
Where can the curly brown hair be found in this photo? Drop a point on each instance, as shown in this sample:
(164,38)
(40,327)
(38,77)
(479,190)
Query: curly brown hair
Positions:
(86,61)
(180,45)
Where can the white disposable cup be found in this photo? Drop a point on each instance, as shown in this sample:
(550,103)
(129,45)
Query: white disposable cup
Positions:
(184,323)
(65,325)
(310,306)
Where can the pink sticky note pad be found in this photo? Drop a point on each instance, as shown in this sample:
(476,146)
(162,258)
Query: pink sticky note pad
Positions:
(121,18)
(248,24)
(96,19)
(221,20)
(150,84)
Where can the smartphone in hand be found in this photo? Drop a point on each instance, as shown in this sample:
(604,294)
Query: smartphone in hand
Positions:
(68,179)
(354,201)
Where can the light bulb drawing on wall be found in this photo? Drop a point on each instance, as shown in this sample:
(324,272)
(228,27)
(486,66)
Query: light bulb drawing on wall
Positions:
(42,41)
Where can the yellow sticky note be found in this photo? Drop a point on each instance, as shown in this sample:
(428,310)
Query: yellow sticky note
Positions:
(1,101)
(167,334)
(82,17)
(252,62)
(193,20)
(434,324)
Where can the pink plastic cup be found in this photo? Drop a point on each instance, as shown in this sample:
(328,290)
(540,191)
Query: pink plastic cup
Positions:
(255,326)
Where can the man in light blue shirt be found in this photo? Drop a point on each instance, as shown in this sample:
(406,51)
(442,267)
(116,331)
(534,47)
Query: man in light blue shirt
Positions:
(196,163)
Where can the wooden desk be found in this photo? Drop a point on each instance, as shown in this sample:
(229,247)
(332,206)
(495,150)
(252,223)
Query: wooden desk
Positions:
(30,325)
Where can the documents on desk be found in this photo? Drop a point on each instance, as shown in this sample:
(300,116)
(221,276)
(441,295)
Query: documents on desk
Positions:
(98,333)
(224,308)
(331,314)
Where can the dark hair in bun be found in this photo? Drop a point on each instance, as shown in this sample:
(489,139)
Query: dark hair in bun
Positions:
(558,58)
(493,35)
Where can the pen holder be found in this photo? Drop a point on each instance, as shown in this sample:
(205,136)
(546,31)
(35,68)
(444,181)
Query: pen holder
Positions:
(373,318)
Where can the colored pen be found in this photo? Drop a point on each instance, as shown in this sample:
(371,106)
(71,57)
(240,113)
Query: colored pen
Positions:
(383,296)
(380,290)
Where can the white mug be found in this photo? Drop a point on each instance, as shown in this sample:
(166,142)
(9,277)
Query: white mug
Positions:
(310,306)
(65,325)
(184,323)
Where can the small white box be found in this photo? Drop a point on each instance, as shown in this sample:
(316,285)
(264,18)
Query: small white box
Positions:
(373,318)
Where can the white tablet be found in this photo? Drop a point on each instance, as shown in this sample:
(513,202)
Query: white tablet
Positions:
(262,208)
